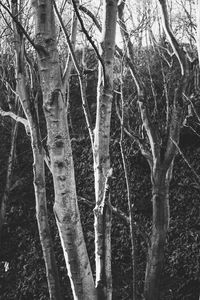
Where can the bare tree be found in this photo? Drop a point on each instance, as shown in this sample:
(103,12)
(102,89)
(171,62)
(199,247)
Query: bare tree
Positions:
(100,140)
(61,161)
(31,123)
(161,151)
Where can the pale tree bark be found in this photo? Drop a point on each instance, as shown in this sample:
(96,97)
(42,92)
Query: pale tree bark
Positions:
(65,206)
(100,144)
(102,170)
(100,141)
(38,165)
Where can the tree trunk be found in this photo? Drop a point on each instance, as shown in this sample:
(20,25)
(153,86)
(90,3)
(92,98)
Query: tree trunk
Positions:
(42,221)
(38,166)
(65,207)
(102,170)
(160,198)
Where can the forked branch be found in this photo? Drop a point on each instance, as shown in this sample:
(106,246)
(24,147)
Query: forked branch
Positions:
(179,52)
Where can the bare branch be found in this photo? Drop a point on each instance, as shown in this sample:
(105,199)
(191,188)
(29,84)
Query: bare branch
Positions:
(22,30)
(197,177)
(79,72)
(16,118)
(120,214)
(193,107)
(139,141)
(179,52)
(144,111)
(91,15)
(130,206)
(76,65)
(126,39)
(70,60)
(89,37)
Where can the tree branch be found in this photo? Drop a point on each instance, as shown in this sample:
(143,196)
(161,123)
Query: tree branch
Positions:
(119,213)
(70,59)
(179,52)
(152,131)
(80,75)
(197,177)
(91,15)
(23,31)
(193,107)
(16,118)
(89,38)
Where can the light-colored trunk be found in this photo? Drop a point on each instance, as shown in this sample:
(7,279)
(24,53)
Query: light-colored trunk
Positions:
(38,166)
(101,153)
(40,198)
(65,207)
(42,221)
(160,223)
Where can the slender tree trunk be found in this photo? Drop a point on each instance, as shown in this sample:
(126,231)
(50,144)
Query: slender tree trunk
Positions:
(102,170)
(65,207)
(42,220)
(160,198)
(38,166)
(6,193)
(130,208)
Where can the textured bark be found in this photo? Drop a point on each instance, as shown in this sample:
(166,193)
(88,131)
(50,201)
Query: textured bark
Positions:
(65,207)
(160,223)
(101,152)
(38,166)
(42,221)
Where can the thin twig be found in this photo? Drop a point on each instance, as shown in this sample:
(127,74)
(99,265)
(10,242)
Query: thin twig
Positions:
(193,107)
(119,213)
(197,177)
(80,75)
(89,38)
(21,28)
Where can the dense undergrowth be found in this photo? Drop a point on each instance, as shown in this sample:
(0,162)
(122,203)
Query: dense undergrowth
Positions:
(22,270)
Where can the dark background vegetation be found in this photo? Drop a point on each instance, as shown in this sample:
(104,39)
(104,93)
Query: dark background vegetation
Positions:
(22,271)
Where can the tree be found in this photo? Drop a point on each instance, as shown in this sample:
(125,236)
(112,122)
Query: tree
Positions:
(100,142)
(160,150)
(31,124)
(158,137)
(61,161)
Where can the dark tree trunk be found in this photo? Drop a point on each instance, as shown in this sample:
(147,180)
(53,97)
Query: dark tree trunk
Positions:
(160,223)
